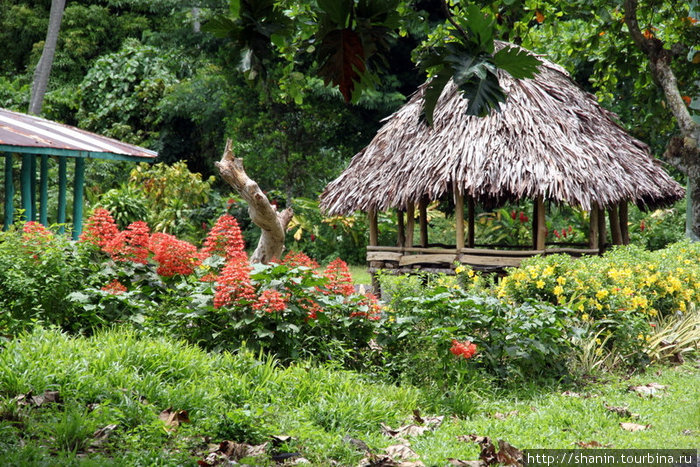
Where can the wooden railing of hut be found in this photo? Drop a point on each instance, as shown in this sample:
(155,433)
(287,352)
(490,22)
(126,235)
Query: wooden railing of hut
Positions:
(407,257)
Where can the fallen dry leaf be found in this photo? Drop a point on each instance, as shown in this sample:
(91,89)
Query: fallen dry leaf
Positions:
(688,432)
(401,451)
(621,411)
(174,418)
(570,394)
(228,451)
(461,463)
(48,397)
(503,416)
(358,443)
(507,454)
(430,421)
(651,389)
(592,444)
(634,427)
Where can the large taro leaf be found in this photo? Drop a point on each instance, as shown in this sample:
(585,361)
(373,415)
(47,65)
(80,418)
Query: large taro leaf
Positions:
(433,92)
(343,60)
(475,76)
(483,93)
(516,61)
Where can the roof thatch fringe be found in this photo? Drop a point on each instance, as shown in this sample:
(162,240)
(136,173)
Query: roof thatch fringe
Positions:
(550,138)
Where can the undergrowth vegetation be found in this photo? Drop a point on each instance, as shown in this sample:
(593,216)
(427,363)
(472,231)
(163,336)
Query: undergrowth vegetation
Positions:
(136,347)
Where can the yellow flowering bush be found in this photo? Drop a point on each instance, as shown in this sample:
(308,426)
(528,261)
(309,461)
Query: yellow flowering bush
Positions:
(626,279)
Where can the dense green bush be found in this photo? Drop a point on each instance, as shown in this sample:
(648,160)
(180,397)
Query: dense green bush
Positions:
(37,272)
(428,313)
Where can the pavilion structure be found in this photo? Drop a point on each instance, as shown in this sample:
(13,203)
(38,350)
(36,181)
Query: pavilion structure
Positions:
(34,141)
(551,142)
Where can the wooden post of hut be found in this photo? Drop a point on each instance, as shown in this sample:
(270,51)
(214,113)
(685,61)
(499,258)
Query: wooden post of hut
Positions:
(423,221)
(624,223)
(541,224)
(401,236)
(593,227)
(615,231)
(602,234)
(459,217)
(471,206)
(410,223)
(373,227)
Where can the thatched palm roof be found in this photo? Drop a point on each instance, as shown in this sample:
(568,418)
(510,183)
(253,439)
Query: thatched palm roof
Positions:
(550,138)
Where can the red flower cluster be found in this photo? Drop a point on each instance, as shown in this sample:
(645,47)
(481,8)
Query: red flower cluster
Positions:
(297,258)
(35,238)
(115,287)
(464,349)
(311,307)
(270,300)
(225,238)
(233,285)
(374,311)
(100,228)
(521,216)
(564,232)
(339,278)
(173,256)
(130,244)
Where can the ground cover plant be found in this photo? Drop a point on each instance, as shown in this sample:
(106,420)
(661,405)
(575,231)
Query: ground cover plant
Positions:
(149,349)
(120,398)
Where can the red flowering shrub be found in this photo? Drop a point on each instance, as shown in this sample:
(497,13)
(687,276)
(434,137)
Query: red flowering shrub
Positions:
(311,308)
(115,287)
(339,278)
(374,310)
(130,244)
(270,300)
(100,228)
(297,258)
(173,256)
(464,349)
(224,239)
(233,284)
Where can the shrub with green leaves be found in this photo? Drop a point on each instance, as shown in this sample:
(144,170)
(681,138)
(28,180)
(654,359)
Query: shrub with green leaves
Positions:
(38,270)
(531,339)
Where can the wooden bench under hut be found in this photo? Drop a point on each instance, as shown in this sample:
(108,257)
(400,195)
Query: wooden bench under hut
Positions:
(551,142)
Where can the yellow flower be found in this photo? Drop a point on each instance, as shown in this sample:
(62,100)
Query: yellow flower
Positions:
(561,280)
(548,271)
(585,315)
(459,269)
(540,284)
(558,290)
(581,308)
(598,306)
(601,294)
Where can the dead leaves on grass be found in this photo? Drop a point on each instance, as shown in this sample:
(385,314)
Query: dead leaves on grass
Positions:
(621,411)
(505,455)
(174,418)
(633,426)
(648,390)
(48,397)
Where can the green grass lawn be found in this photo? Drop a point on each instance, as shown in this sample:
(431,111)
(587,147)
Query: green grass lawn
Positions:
(359,274)
(123,381)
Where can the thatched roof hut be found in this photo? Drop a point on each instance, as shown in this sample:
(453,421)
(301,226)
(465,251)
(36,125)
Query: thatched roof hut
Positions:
(551,141)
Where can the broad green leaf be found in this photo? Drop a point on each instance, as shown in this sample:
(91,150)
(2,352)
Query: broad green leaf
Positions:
(480,24)
(234,8)
(220,26)
(338,11)
(483,94)
(433,92)
(517,62)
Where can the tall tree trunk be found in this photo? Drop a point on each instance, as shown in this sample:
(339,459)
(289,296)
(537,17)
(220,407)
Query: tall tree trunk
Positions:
(682,151)
(263,214)
(43,68)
